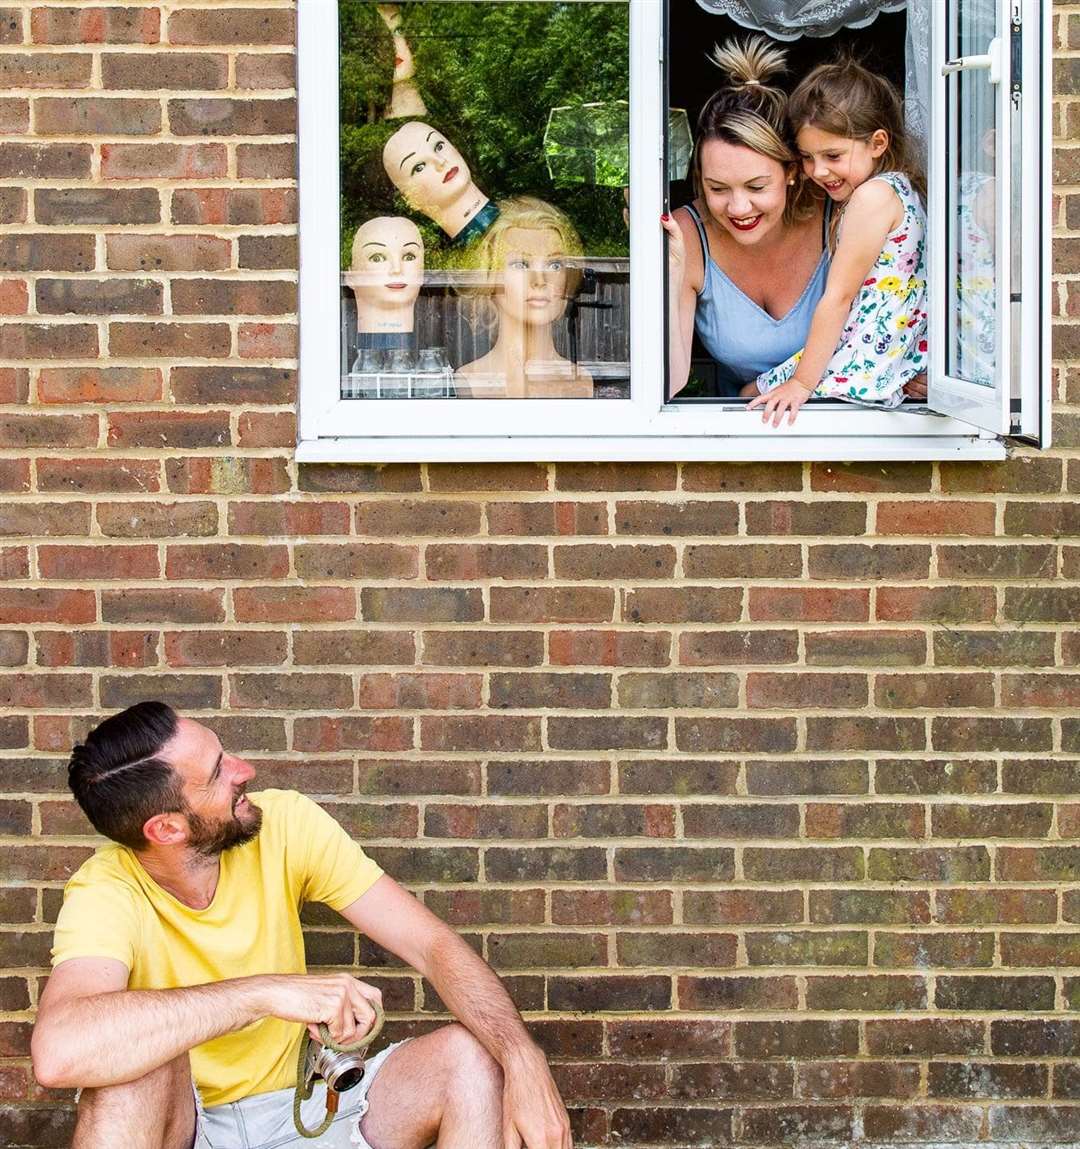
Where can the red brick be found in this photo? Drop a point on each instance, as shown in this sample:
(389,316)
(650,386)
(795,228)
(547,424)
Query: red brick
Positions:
(1041,690)
(738,477)
(610,562)
(615,477)
(156,606)
(46,161)
(871,478)
(816,604)
(697,518)
(864,563)
(216,206)
(226,561)
(44,519)
(935,518)
(75,563)
(353,733)
(609,648)
(419,691)
(176,70)
(168,340)
(44,692)
(266,70)
(157,520)
(294,604)
(491,648)
(268,340)
(452,562)
(914,691)
(266,161)
(354,647)
(165,429)
(871,648)
(552,604)
(488,733)
(14,297)
(263,429)
(167,252)
(95,115)
(681,604)
(54,341)
(49,606)
(29,431)
(219,117)
(14,384)
(611,907)
(224,475)
(739,907)
(100,25)
(417,517)
(743,561)
(163,161)
(798,691)
(935,604)
(579,518)
(603,733)
(241,26)
(99,385)
(865,820)
(293,691)
(817,518)
(45,70)
(738,647)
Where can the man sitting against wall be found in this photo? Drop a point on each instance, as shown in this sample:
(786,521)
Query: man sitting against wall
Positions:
(179,957)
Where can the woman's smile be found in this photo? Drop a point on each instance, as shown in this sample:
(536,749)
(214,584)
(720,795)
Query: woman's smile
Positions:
(744,223)
(450,175)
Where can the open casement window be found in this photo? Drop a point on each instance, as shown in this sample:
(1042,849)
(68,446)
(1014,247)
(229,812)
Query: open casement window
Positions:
(397,94)
(989,248)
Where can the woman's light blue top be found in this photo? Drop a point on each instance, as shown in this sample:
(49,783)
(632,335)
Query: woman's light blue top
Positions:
(742,337)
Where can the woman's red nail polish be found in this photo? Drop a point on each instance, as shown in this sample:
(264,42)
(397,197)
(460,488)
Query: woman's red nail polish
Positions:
(665,217)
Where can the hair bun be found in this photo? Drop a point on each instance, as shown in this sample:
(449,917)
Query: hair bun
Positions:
(750,62)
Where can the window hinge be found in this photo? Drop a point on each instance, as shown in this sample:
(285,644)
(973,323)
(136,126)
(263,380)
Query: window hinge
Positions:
(1017,60)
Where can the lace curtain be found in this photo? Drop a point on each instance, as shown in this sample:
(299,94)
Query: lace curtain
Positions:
(790,19)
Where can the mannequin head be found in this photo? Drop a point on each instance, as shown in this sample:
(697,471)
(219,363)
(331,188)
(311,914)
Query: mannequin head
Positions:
(526,253)
(387,273)
(425,167)
(432,176)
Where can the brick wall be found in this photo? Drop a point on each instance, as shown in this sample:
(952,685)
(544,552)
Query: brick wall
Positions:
(759,783)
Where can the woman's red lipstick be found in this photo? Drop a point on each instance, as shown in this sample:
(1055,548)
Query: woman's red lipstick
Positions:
(450,175)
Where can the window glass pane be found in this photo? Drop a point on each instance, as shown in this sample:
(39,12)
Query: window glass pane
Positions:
(484,161)
(971,348)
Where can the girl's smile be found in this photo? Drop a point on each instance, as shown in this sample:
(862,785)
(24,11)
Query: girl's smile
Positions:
(839,164)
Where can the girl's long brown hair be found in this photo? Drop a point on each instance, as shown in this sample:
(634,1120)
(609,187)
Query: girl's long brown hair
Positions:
(847,99)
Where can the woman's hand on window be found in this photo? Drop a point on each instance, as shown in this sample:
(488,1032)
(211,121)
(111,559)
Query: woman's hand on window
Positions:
(788,397)
(676,250)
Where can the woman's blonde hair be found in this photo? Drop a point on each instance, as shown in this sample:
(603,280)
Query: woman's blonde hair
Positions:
(752,113)
(489,252)
(846,99)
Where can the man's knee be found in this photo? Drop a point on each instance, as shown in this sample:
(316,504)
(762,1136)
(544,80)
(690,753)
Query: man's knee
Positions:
(469,1061)
(157,1109)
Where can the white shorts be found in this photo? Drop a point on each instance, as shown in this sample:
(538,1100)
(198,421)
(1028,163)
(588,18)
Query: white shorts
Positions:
(265,1120)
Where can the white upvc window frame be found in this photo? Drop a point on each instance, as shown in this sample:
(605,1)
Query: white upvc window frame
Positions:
(641,427)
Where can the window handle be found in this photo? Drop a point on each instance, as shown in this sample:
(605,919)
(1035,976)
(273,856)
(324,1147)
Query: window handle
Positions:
(991,59)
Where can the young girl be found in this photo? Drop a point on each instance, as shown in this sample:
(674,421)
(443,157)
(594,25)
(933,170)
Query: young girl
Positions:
(868,335)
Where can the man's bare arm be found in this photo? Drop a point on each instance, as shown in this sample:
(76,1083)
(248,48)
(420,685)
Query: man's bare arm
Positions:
(92,1031)
(534,1114)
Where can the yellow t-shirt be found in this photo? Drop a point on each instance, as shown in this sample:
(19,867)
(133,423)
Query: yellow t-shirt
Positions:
(113,908)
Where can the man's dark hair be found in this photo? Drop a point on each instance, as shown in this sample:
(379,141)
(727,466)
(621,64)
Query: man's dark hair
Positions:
(118,776)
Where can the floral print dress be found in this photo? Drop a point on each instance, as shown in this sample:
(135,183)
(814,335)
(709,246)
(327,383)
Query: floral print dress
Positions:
(883,344)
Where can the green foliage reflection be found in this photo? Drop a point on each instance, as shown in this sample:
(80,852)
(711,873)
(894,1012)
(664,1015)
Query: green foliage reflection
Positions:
(490,73)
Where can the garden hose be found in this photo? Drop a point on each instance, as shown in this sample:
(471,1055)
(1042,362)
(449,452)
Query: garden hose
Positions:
(305,1088)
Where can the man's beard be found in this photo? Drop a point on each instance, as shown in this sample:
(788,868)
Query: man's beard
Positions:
(213,838)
